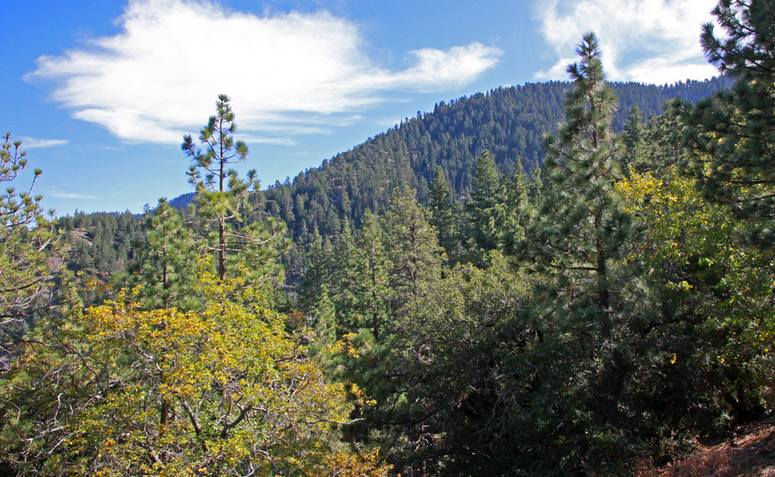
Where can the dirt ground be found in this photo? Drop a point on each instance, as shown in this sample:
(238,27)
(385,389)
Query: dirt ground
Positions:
(751,453)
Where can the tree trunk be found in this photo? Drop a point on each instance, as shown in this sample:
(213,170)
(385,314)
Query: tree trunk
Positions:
(221,247)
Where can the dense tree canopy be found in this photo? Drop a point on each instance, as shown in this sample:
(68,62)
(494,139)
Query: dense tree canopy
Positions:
(117,391)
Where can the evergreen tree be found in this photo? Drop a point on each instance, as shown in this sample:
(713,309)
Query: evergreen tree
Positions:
(485,207)
(580,228)
(402,282)
(325,320)
(633,132)
(165,268)
(317,270)
(218,150)
(444,215)
(733,134)
(663,142)
(577,241)
(222,199)
(372,265)
(27,245)
(413,252)
(536,183)
(518,211)
(346,280)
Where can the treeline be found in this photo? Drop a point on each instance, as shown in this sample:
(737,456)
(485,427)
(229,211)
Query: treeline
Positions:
(590,316)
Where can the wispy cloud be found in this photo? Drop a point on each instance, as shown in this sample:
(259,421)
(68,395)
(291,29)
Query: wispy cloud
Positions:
(276,141)
(58,194)
(158,77)
(651,41)
(37,143)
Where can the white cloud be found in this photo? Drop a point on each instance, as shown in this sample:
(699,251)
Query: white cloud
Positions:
(651,41)
(276,141)
(58,194)
(286,73)
(38,143)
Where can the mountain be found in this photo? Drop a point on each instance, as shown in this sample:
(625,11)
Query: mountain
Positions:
(182,201)
(510,122)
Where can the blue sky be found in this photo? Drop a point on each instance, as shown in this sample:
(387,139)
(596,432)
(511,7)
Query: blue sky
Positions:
(101,91)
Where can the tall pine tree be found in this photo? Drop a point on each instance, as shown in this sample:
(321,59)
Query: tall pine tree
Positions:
(372,266)
(223,200)
(519,210)
(580,228)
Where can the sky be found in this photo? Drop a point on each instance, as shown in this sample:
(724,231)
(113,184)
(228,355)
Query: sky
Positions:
(101,92)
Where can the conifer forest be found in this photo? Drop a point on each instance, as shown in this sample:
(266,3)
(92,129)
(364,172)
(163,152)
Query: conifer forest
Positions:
(562,278)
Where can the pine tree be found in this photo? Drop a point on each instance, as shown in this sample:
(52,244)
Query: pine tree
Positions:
(580,228)
(576,244)
(325,320)
(413,252)
(663,141)
(633,132)
(222,200)
(218,150)
(536,183)
(485,207)
(345,279)
(443,213)
(372,266)
(518,211)
(317,270)
(165,268)
(27,242)
(733,134)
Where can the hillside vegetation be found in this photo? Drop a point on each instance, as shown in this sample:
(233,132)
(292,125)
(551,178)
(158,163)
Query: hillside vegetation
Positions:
(503,286)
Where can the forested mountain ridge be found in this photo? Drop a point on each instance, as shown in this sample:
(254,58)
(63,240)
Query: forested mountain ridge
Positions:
(510,122)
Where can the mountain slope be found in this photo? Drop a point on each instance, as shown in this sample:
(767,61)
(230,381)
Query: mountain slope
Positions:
(511,122)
